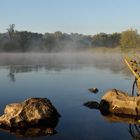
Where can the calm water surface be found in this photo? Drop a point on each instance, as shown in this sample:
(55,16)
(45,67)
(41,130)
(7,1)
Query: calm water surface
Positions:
(65,79)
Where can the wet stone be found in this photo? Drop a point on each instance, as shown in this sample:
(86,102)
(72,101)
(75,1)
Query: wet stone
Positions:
(93,90)
(33,112)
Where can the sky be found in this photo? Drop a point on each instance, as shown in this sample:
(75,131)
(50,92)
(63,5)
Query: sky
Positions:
(70,16)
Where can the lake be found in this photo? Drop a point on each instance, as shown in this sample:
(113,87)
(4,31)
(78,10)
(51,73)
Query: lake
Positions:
(64,78)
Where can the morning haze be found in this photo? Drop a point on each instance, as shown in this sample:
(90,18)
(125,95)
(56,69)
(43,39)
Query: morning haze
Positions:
(58,59)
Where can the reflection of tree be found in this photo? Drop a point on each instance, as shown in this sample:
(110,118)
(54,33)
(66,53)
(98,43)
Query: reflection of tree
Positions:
(12,77)
(11,74)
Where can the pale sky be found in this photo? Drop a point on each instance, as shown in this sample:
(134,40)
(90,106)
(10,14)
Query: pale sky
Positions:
(81,16)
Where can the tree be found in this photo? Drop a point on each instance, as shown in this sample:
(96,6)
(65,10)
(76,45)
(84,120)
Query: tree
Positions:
(106,40)
(49,42)
(11,31)
(22,39)
(130,39)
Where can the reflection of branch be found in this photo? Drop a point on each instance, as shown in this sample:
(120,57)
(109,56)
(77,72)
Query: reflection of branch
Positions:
(133,87)
(137,128)
(131,131)
(134,131)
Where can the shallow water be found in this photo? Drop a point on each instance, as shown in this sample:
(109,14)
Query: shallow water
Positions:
(65,79)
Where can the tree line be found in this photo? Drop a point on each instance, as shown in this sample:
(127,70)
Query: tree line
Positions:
(24,41)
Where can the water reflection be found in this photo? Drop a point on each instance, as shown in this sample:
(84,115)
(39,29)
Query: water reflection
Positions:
(41,130)
(12,77)
(134,131)
(132,121)
(133,124)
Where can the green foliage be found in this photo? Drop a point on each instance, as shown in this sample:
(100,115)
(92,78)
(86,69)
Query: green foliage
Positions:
(106,40)
(23,41)
(49,42)
(130,39)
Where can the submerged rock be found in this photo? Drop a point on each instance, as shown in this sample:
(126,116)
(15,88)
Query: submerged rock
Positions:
(33,112)
(93,90)
(118,102)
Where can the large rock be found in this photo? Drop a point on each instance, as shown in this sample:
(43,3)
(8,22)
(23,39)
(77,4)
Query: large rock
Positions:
(33,112)
(118,102)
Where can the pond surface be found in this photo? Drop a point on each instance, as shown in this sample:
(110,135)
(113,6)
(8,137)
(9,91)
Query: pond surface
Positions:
(65,79)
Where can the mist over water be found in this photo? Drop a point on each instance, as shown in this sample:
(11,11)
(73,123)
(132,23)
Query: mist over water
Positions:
(59,61)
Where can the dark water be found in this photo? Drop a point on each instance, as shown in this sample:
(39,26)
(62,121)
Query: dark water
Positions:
(65,79)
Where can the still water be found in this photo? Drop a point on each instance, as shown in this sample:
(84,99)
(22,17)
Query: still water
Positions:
(65,79)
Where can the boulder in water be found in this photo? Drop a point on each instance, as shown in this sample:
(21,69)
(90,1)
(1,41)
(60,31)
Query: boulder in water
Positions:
(118,102)
(33,112)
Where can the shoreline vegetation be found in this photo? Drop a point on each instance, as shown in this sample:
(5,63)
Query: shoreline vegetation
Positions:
(24,41)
